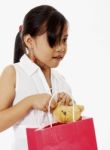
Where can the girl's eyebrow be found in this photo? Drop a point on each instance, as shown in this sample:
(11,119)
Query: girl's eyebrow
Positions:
(66,35)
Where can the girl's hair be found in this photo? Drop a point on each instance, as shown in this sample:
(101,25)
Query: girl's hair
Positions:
(37,21)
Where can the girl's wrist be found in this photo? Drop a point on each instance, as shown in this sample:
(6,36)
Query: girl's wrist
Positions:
(29,102)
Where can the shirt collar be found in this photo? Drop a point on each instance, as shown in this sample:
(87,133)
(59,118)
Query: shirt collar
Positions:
(28,65)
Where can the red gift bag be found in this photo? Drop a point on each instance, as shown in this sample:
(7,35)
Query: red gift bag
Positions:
(79,135)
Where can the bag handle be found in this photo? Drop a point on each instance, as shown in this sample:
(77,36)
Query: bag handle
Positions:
(49,113)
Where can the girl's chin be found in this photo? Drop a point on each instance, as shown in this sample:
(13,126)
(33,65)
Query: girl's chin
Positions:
(55,65)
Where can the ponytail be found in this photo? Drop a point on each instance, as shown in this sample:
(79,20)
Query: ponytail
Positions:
(19,49)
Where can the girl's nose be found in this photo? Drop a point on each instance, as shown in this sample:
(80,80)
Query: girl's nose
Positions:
(60,48)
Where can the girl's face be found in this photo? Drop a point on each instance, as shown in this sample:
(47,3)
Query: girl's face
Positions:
(44,55)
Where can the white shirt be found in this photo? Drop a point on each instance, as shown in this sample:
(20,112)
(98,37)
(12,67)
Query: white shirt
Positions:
(31,80)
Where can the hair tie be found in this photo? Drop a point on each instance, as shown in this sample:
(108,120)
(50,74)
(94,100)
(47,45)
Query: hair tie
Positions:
(20,28)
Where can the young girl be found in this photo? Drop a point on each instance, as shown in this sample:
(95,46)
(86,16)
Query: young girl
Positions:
(27,85)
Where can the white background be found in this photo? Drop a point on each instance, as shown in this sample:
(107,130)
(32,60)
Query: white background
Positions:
(87,63)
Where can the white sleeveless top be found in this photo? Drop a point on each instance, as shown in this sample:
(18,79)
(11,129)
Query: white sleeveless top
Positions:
(31,80)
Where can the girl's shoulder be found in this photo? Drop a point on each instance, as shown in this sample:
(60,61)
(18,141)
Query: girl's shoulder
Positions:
(8,70)
(8,74)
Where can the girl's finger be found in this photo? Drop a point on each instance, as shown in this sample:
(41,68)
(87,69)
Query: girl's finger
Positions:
(63,100)
(67,101)
(70,103)
(60,95)
(53,104)
(45,109)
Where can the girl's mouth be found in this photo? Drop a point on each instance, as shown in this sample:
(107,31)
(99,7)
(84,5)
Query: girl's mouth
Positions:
(58,58)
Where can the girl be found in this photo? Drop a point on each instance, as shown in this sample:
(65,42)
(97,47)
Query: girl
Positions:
(27,85)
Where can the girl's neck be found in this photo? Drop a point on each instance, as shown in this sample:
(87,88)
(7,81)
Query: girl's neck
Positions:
(43,67)
(46,70)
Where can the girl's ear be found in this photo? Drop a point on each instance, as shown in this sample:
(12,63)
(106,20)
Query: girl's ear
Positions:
(28,40)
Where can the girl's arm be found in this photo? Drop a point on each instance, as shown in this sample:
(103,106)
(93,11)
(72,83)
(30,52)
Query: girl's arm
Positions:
(9,114)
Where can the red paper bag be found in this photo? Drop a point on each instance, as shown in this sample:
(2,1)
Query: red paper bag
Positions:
(79,135)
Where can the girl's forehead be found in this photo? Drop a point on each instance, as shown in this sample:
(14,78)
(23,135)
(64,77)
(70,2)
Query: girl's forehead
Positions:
(65,30)
(65,33)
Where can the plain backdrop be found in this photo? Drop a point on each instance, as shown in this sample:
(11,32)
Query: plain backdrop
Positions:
(86,66)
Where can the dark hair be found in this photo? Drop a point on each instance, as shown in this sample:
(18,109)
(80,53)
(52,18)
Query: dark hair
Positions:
(37,21)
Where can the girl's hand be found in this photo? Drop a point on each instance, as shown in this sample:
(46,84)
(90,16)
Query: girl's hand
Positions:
(64,99)
(41,102)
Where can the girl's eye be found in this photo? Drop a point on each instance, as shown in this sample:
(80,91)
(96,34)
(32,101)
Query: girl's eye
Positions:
(65,40)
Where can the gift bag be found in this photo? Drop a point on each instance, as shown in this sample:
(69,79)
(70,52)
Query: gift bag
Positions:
(79,135)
